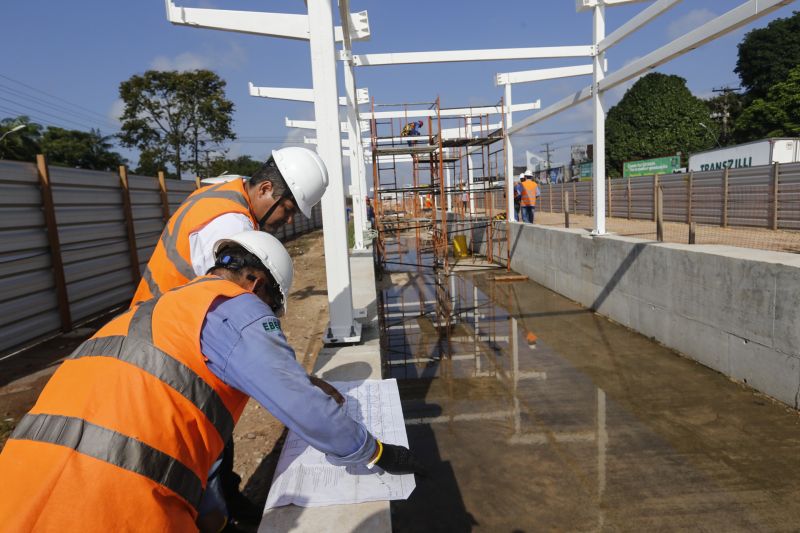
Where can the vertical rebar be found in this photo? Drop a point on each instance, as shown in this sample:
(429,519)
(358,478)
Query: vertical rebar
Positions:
(566,209)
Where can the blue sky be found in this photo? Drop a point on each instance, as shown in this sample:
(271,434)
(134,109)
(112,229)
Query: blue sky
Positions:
(81,51)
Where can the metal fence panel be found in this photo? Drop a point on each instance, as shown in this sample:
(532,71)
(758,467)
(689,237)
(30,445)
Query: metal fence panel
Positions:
(93,238)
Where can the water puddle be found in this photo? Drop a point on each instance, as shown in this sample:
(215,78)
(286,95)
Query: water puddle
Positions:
(535,414)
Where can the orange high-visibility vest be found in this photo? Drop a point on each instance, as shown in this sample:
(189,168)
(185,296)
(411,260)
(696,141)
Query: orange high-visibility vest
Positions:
(528,197)
(124,433)
(171,263)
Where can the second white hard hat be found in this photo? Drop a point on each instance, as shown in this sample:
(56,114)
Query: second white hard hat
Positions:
(272,255)
(304,173)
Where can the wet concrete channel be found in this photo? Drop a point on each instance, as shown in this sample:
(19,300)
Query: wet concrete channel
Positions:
(535,414)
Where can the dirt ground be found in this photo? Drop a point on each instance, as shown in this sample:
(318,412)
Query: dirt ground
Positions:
(258,435)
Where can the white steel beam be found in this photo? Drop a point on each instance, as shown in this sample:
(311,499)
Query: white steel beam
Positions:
(299,94)
(451,56)
(509,153)
(726,23)
(453,112)
(542,74)
(647,15)
(286,25)
(583,5)
(599,163)
(282,93)
(553,109)
(342,326)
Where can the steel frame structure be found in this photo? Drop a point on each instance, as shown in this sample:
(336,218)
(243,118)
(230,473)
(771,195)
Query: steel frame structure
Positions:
(603,81)
(318,29)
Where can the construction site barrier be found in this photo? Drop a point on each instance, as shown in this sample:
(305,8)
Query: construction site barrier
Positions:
(73,243)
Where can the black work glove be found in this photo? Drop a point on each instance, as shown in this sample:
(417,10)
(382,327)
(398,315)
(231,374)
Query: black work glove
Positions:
(399,460)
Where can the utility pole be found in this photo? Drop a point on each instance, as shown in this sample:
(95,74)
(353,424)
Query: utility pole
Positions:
(725,115)
(547,151)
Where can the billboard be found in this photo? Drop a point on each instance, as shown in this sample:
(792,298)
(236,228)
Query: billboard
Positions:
(649,167)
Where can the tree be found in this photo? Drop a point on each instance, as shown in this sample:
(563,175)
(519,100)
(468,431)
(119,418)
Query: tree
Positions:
(171,116)
(776,115)
(22,145)
(767,54)
(658,116)
(244,165)
(73,148)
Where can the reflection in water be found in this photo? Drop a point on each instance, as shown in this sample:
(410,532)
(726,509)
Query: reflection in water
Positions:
(535,414)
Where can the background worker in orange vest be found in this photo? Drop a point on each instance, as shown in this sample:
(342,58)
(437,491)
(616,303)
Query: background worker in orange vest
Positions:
(293,179)
(124,433)
(530,191)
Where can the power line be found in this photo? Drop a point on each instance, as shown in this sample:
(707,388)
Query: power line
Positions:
(53,96)
(61,109)
(34,109)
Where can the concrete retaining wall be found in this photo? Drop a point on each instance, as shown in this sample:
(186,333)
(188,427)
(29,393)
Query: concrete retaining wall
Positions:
(735,310)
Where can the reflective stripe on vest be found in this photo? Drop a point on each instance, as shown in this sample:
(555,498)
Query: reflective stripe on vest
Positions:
(114,448)
(169,370)
(169,237)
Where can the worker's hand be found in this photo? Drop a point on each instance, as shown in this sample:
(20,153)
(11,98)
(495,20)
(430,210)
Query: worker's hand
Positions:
(327,388)
(399,460)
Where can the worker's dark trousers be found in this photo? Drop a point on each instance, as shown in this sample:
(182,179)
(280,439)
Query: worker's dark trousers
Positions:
(230,480)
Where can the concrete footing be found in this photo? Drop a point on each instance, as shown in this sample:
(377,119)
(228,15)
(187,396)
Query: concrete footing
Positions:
(735,310)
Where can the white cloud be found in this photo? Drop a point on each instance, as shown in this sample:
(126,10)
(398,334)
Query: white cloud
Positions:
(116,110)
(235,57)
(184,61)
(689,21)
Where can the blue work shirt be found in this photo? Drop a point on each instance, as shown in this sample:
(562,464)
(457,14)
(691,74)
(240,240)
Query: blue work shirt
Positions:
(245,348)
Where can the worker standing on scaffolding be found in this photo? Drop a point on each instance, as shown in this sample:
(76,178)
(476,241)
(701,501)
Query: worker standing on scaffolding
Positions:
(410,130)
(530,192)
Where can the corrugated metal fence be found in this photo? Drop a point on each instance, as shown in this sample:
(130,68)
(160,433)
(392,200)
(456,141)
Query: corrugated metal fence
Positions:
(69,240)
(756,197)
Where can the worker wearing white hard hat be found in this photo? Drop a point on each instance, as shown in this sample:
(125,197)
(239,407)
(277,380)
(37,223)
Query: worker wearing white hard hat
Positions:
(242,339)
(292,180)
(189,360)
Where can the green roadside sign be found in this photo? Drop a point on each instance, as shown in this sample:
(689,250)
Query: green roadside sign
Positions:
(649,167)
(586,170)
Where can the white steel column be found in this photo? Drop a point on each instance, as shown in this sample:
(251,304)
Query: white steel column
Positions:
(342,326)
(470,171)
(510,214)
(599,174)
(448,183)
(356,153)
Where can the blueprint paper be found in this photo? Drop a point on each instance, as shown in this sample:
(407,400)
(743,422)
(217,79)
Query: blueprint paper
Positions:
(304,477)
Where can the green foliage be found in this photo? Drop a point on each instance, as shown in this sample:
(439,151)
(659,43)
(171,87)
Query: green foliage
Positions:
(172,116)
(658,116)
(243,165)
(766,55)
(73,148)
(22,145)
(731,104)
(776,115)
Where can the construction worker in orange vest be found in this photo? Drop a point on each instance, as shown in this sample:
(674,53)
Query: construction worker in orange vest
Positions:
(125,432)
(293,179)
(530,191)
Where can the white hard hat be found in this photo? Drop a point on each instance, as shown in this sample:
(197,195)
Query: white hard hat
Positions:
(225,178)
(304,173)
(272,255)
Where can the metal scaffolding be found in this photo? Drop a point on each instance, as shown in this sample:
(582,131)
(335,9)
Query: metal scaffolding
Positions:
(416,179)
